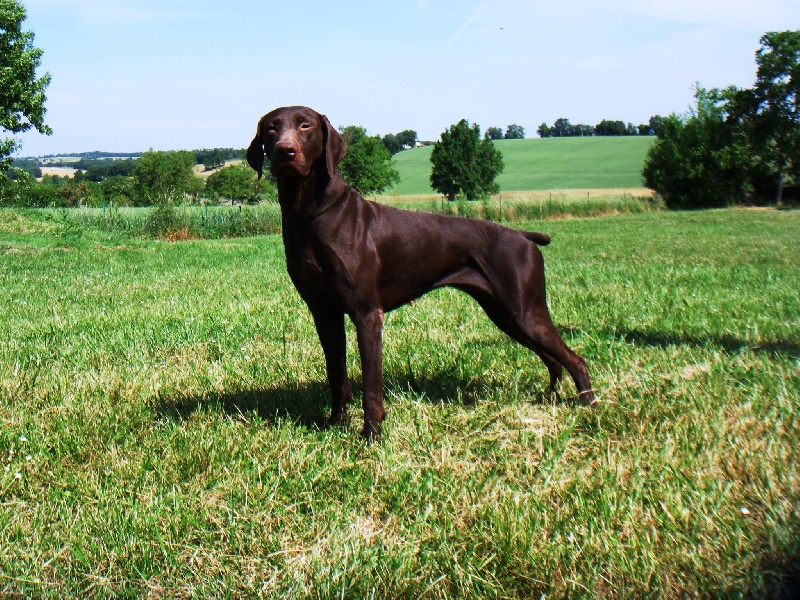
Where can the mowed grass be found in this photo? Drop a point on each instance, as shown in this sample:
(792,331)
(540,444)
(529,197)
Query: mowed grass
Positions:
(161,407)
(545,164)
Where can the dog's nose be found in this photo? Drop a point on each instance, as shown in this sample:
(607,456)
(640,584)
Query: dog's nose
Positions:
(286,148)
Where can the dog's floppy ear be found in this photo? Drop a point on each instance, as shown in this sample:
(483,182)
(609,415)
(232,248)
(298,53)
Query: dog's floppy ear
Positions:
(255,153)
(335,146)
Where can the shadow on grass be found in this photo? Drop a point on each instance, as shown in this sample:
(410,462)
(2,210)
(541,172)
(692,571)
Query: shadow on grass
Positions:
(451,389)
(730,343)
(307,405)
(782,574)
(304,405)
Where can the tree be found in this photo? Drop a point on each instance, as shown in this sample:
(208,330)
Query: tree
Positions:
(165,177)
(493,133)
(655,124)
(398,142)
(237,182)
(739,145)
(215,158)
(392,144)
(22,95)
(29,166)
(118,190)
(562,128)
(465,165)
(777,97)
(697,160)
(651,127)
(407,137)
(608,127)
(367,164)
(544,130)
(515,132)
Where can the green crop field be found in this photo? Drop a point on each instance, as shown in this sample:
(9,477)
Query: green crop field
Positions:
(161,407)
(545,164)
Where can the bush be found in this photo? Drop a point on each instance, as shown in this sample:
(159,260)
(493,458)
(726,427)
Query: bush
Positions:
(164,177)
(695,162)
(238,182)
(165,221)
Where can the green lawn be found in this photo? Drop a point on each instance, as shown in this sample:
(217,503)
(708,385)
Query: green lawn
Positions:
(545,164)
(161,402)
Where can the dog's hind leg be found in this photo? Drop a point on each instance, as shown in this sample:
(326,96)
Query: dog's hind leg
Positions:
(532,327)
(541,337)
(553,367)
(546,341)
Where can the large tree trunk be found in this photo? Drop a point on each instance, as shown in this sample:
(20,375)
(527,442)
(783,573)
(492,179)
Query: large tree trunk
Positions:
(779,194)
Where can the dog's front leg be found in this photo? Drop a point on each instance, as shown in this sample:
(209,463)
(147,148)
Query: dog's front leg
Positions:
(369,327)
(330,329)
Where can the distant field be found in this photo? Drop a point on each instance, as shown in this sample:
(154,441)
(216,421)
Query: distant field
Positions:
(59,171)
(199,170)
(575,164)
(549,164)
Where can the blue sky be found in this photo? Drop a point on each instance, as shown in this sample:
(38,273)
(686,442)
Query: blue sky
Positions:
(128,75)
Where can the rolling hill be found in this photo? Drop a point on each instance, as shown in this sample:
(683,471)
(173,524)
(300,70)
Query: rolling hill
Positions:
(545,164)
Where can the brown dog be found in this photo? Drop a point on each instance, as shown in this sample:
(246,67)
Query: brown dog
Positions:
(349,256)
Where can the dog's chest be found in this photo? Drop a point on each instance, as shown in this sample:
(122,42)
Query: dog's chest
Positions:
(313,270)
(302,260)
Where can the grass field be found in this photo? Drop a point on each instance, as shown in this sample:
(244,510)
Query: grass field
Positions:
(161,402)
(545,164)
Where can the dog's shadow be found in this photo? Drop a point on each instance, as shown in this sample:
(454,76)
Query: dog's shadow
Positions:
(308,404)
(302,404)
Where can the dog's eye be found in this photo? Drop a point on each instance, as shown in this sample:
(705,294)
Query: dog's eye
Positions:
(305,126)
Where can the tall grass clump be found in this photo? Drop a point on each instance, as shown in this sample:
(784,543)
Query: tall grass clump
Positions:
(166,221)
(516,207)
(174,222)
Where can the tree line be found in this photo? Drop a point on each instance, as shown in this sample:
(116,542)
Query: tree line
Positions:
(607,127)
(156,178)
(96,166)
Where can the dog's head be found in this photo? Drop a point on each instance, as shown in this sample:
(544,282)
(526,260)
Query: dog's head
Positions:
(294,139)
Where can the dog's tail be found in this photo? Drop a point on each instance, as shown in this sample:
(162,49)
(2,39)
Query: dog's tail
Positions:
(541,239)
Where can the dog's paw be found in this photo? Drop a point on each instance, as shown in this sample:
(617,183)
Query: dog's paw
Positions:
(338,419)
(588,398)
(371,434)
